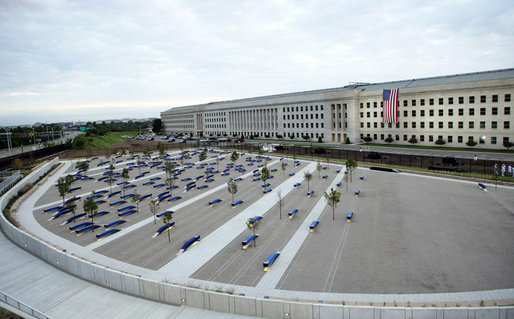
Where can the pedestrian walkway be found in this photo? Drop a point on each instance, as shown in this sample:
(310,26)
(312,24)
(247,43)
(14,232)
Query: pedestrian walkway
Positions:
(59,295)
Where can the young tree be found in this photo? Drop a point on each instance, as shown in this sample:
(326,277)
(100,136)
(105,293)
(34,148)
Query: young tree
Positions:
(202,156)
(279,201)
(154,207)
(332,198)
(83,166)
(319,168)
(71,206)
(169,167)
(135,199)
(283,167)
(110,180)
(265,172)
(161,148)
(253,225)
(125,176)
(234,156)
(351,164)
(91,207)
(169,185)
(168,216)
(308,177)
(63,185)
(232,187)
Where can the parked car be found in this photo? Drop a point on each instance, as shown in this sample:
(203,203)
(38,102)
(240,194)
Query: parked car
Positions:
(239,140)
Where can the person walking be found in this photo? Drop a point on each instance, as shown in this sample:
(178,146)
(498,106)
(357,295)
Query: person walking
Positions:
(503,169)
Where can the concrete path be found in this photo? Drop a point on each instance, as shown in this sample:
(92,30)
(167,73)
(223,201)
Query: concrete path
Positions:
(59,295)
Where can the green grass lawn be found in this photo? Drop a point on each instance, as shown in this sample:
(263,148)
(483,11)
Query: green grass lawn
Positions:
(101,142)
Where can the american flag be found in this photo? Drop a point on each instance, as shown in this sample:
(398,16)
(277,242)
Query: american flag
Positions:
(389,109)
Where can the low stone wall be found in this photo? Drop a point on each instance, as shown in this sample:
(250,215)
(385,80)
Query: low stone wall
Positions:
(221,302)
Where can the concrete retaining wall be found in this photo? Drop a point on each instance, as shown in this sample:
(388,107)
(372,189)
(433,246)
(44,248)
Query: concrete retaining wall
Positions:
(221,302)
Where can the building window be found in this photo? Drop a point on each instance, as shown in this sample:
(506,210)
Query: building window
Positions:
(405,113)
(450,124)
(505,139)
(374,114)
(482,111)
(430,124)
(422,112)
(405,103)
(382,137)
(507,97)
(494,124)
(482,124)
(461,112)
(405,125)
(495,98)
(482,98)
(471,99)
(367,105)
(368,114)
(506,124)
(382,125)
(413,124)
(506,110)
(471,111)
(461,100)
(450,100)
(441,101)
(481,139)
(413,102)
(441,112)
(431,101)
(362,125)
(422,138)
(430,138)
(362,115)
(441,125)
(422,124)
(471,124)
(404,137)
(368,125)
(430,112)
(450,139)
(493,139)
(450,112)
(461,124)
(422,102)
(374,105)
(494,111)
(459,139)
(374,136)
(413,113)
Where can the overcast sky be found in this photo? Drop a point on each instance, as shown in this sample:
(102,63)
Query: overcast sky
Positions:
(88,60)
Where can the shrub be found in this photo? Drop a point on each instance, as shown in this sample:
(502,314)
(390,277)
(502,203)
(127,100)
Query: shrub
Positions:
(347,141)
(279,136)
(508,145)
(291,136)
(306,137)
(413,140)
(471,143)
(366,139)
(440,142)
(320,140)
(389,139)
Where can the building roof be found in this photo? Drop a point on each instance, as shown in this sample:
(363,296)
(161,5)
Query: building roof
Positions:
(436,80)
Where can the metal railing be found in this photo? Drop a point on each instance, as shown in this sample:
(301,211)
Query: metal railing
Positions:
(9,181)
(15,303)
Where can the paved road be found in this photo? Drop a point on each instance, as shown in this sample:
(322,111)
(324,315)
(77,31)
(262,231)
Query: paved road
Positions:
(28,148)
(413,151)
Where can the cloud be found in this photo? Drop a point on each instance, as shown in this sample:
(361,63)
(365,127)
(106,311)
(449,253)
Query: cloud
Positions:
(68,54)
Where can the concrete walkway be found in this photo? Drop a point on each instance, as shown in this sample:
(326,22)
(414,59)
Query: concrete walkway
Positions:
(59,295)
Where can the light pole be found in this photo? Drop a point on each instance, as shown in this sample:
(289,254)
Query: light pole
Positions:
(8,134)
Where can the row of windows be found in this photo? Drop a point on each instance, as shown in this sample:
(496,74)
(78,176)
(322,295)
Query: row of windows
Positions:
(450,100)
(471,112)
(300,125)
(211,120)
(300,116)
(301,108)
(213,114)
(449,138)
(215,126)
(460,124)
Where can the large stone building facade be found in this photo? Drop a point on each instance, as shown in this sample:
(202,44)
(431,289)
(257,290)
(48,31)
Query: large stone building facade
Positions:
(476,107)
